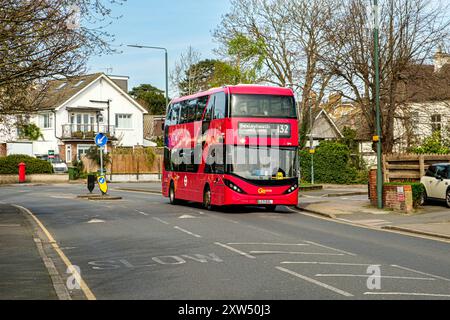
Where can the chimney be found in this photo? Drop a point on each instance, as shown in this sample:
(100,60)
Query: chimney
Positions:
(121,81)
(440,59)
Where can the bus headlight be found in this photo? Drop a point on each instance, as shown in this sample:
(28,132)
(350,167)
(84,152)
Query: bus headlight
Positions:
(291,189)
(233,187)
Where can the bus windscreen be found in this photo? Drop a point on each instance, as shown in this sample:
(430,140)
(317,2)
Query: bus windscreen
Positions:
(271,106)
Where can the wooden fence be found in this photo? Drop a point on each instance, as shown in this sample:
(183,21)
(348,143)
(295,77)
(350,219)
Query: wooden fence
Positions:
(409,167)
(136,162)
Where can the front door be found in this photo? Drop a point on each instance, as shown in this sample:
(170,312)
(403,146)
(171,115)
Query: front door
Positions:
(83,122)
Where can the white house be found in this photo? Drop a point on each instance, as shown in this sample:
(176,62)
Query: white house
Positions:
(74,110)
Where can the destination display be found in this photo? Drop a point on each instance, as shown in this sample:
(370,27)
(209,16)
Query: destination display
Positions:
(250,129)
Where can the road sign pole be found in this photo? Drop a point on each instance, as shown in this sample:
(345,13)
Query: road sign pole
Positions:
(101,161)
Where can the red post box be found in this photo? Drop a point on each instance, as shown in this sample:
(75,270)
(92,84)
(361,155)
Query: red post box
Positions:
(22,169)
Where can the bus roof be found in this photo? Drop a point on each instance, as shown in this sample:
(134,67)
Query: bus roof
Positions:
(241,89)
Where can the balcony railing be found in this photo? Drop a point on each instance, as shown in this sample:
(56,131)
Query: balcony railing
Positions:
(86,131)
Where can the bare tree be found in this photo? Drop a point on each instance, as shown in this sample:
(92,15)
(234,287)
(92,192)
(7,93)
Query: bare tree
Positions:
(184,75)
(45,39)
(409,32)
(292,41)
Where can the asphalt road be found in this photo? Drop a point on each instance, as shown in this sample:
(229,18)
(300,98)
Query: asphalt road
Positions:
(141,247)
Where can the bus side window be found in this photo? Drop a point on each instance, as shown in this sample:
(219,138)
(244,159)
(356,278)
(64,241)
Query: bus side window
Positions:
(219,105)
(192,106)
(208,115)
(201,105)
(174,115)
(184,112)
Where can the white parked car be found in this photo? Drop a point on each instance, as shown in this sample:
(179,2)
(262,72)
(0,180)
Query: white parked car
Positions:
(437,183)
(59,166)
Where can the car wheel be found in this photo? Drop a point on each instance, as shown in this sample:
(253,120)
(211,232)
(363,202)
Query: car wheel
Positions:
(172,198)
(271,207)
(423,197)
(447,198)
(207,198)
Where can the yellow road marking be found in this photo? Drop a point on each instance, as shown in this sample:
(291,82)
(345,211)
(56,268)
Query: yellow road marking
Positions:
(84,287)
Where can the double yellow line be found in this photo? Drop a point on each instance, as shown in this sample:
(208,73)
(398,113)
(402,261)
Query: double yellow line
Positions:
(84,287)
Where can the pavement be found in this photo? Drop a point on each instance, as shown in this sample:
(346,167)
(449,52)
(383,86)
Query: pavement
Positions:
(23,274)
(141,247)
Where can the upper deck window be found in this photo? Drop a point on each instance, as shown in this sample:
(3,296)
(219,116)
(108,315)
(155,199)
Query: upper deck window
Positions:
(270,106)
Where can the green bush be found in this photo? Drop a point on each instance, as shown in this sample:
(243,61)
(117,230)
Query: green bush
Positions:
(9,164)
(417,190)
(332,164)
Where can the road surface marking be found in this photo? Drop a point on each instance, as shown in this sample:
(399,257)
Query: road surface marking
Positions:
(188,232)
(326,247)
(408,294)
(160,220)
(372,276)
(143,213)
(295,252)
(235,250)
(10,225)
(370,222)
(420,272)
(84,287)
(318,283)
(186,216)
(96,221)
(270,244)
(327,263)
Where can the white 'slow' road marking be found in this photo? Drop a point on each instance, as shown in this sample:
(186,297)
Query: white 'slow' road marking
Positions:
(318,283)
(408,294)
(235,250)
(188,232)
(372,276)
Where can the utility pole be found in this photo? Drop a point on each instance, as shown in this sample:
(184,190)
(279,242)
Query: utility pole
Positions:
(377,137)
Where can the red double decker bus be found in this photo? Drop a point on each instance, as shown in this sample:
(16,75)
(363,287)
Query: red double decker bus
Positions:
(235,145)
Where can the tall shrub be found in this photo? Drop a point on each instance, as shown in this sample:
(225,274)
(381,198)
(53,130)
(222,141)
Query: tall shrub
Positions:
(9,164)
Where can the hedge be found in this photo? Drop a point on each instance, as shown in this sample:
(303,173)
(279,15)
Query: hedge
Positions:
(332,164)
(417,190)
(9,165)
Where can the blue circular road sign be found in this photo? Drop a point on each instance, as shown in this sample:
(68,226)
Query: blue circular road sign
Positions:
(101,139)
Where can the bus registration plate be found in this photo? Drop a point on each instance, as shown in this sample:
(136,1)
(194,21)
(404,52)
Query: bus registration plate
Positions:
(265,201)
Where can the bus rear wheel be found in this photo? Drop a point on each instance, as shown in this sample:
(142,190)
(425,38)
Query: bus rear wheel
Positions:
(207,198)
(172,198)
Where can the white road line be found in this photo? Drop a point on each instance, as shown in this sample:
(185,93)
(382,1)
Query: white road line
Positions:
(270,244)
(408,294)
(145,214)
(372,276)
(320,284)
(188,232)
(326,263)
(296,252)
(160,220)
(323,246)
(420,272)
(235,250)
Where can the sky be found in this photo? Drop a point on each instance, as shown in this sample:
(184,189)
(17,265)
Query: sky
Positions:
(173,24)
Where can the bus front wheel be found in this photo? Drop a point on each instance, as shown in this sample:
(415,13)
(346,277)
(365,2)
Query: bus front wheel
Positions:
(207,198)
(172,198)
(271,207)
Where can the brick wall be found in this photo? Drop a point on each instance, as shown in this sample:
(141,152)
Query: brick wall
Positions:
(394,197)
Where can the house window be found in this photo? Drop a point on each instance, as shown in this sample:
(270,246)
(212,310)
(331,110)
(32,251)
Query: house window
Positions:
(82,150)
(436,122)
(46,120)
(123,121)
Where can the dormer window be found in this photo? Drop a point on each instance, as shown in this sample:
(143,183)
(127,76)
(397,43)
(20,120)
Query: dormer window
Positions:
(78,83)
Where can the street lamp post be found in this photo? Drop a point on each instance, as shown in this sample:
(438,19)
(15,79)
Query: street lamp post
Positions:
(377,138)
(167,66)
